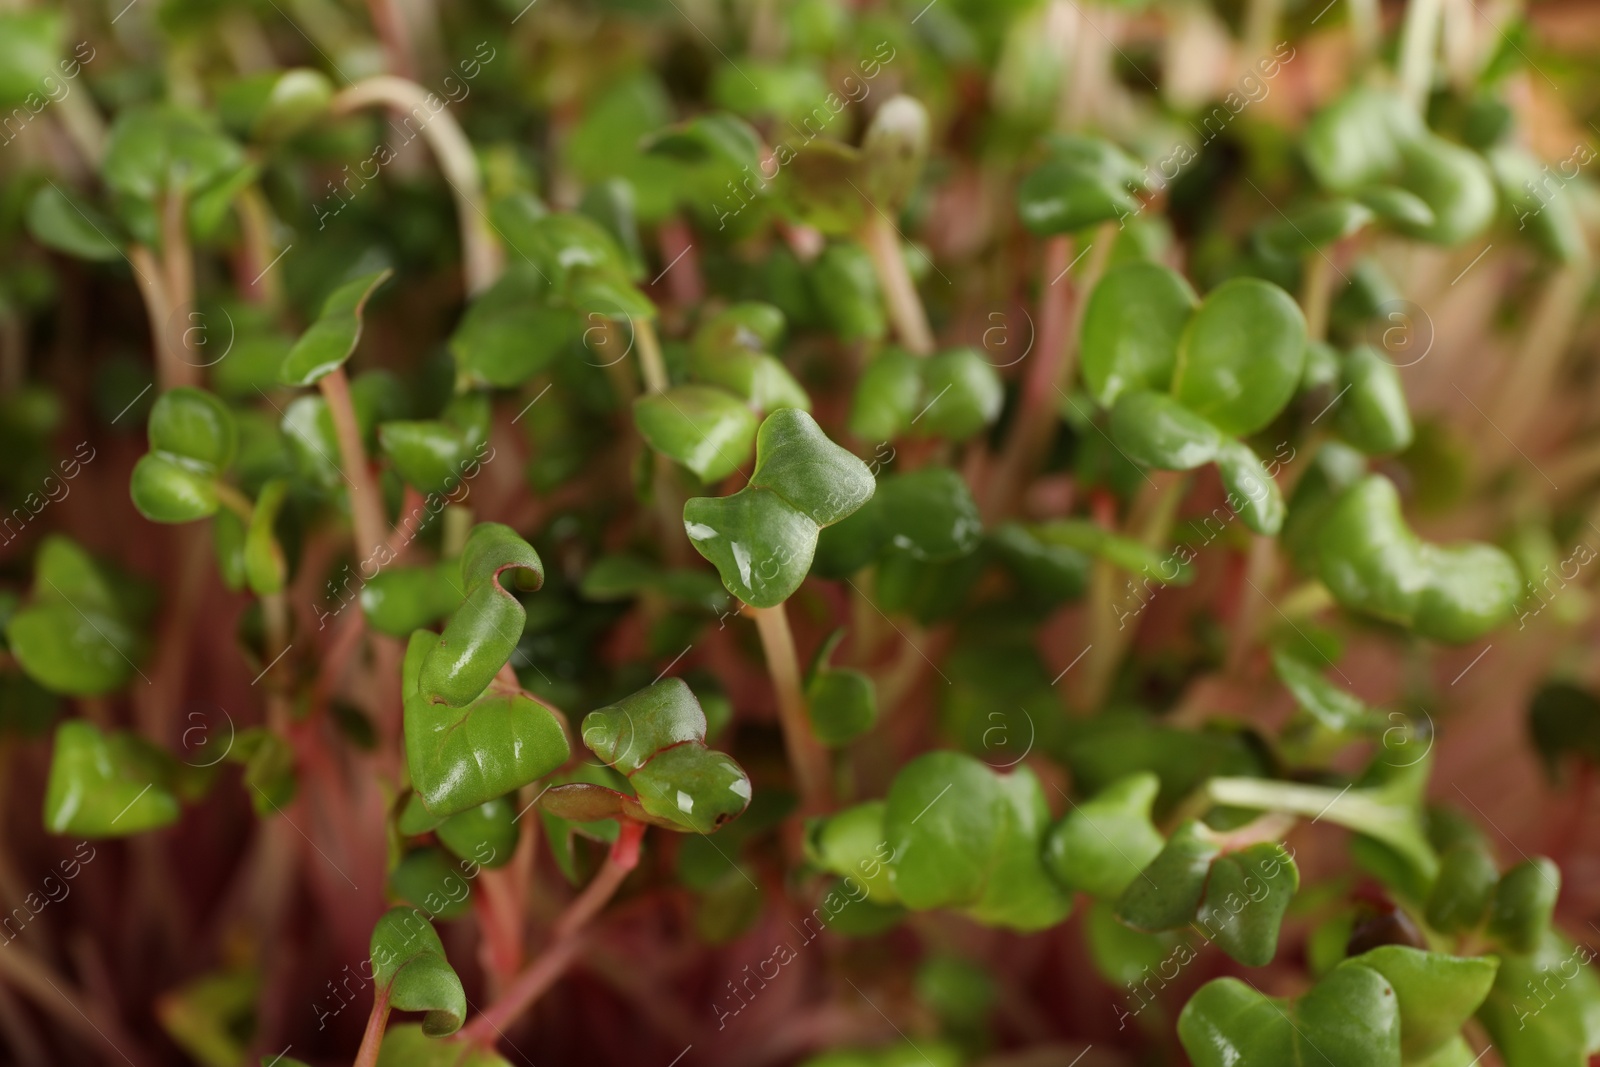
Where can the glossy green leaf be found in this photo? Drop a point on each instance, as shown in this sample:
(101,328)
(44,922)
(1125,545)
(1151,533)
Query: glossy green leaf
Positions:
(762,538)
(842,703)
(486,834)
(461,757)
(428,878)
(511,333)
(192,441)
(1131,329)
(398,600)
(656,737)
(58,220)
(107,785)
(410,969)
(410,1046)
(1372,414)
(1252,492)
(965,837)
(1060,197)
(707,429)
(82,631)
(154,150)
(887,396)
(1456,185)
(1544,1007)
(1358,140)
(1154,429)
(1173,883)
(851,844)
(1437,993)
(333,337)
(1245,898)
(1241,355)
(759,378)
(962,394)
(437,455)
(485,629)
(1349,1019)
(1464,889)
(1372,562)
(1523,902)
(1397,206)
(1101,845)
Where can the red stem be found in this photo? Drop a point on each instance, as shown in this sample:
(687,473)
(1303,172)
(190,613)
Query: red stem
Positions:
(372,1040)
(566,939)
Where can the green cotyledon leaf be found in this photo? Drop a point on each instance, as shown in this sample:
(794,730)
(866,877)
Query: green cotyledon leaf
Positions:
(1349,1019)
(762,538)
(429,879)
(1437,993)
(963,395)
(1101,845)
(1372,562)
(438,455)
(398,600)
(409,968)
(107,785)
(463,756)
(410,1046)
(484,631)
(851,844)
(333,337)
(193,439)
(1524,900)
(703,427)
(264,564)
(1131,328)
(1544,1007)
(887,396)
(966,837)
(82,630)
(486,834)
(1060,197)
(1241,355)
(656,739)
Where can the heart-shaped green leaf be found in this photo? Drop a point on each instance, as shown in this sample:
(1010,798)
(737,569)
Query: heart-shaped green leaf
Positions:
(724,359)
(1169,893)
(435,455)
(1131,327)
(965,837)
(82,630)
(1437,993)
(1348,1019)
(409,969)
(1241,355)
(962,395)
(1246,895)
(1357,140)
(485,835)
(1372,562)
(707,429)
(192,441)
(485,629)
(107,786)
(656,738)
(334,336)
(1101,845)
(762,538)
(461,757)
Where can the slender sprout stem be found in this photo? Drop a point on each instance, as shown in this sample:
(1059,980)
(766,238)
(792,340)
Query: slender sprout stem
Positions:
(806,755)
(366,505)
(255,229)
(372,1039)
(1419,39)
(652,367)
(147,271)
(481,256)
(234,501)
(899,292)
(1316,294)
(565,941)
